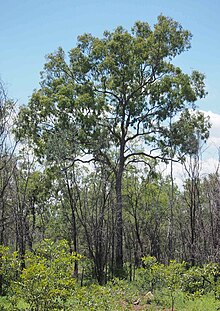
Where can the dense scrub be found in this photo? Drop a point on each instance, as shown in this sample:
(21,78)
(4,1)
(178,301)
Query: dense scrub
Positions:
(48,283)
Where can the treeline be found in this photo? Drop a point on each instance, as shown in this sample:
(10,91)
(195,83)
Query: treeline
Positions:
(81,209)
(89,142)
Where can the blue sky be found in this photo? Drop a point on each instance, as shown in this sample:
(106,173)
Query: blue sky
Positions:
(30,29)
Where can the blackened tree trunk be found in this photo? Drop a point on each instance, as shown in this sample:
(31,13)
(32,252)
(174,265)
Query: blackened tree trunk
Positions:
(119,209)
(119,226)
(73,221)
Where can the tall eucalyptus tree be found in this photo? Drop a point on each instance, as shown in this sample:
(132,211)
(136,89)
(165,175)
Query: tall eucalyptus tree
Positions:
(113,100)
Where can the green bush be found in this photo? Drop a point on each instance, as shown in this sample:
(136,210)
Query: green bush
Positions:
(152,275)
(47,281)
(169,280)
(198,280)
(9,269)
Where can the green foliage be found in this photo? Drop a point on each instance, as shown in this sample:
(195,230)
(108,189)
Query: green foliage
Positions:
(188,132)
(121,88)
(183,302)
(198,281)
(173,274)
(12,304)
(116,295)
(9,268)
(151,276)
(47,281)
(93,298)
(204,303)
(169,280)
(156,276)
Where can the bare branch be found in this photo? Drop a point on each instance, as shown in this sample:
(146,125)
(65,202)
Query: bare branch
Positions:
(147,155)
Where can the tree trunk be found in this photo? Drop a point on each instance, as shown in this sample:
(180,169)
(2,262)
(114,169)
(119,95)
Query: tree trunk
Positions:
(73,223)
(119,223)
(74,237)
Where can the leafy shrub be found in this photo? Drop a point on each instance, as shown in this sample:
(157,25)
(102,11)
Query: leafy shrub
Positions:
(152,275)
(201,280)
(9,269)
(173,274)
(47,281)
